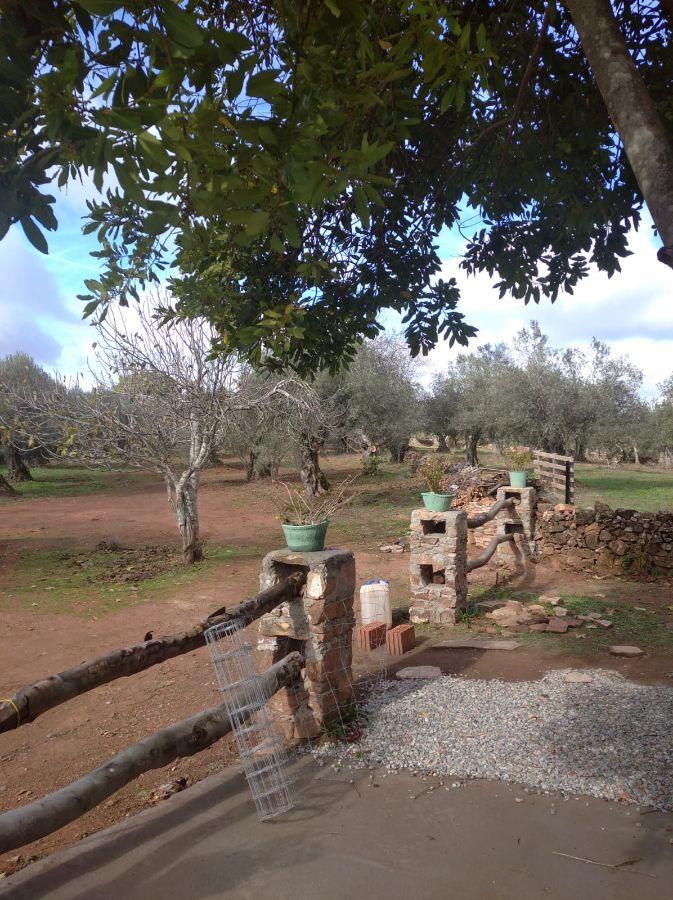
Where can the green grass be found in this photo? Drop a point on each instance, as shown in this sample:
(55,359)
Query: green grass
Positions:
(70,481)
(381,512)
(633,488)
(631,623)
(54,581)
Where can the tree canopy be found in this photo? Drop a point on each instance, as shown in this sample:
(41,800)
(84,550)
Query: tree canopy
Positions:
(287,165)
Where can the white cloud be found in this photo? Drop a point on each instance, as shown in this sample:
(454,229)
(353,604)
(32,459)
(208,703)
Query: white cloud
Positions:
(632,312)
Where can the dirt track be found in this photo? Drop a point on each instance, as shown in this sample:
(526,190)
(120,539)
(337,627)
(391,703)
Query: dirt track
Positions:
(70,740)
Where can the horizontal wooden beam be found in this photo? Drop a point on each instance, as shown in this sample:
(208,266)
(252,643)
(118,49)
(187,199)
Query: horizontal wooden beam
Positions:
(32,700)
(36,820)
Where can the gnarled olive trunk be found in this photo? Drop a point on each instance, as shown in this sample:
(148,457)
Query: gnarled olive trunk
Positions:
(17,470)
(312,476)
(182,500)
(6,490)
(471,443)
(398,453)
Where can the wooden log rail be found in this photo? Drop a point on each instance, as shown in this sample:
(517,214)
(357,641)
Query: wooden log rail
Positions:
(478,561)
(35,820)
(490,514)
(32,700)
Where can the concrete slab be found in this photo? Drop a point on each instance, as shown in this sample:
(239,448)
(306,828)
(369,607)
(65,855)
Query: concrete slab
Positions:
(360,835)
(477,644)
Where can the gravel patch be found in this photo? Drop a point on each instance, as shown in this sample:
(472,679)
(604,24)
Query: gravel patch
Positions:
(609,738)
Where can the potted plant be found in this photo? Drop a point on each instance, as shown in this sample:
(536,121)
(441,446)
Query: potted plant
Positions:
(431,473)
(521,461)
(305,519)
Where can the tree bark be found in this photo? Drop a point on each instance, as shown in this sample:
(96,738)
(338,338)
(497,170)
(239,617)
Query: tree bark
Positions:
(471,457)
(632,110)
(6,490)
(397,454)
(32,700)
(442,446)
(182,499)
(17,470)
(312,477)
(35,820)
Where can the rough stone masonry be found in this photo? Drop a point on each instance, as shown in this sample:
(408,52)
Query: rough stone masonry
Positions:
(438,567)
(319,624)
(602,539)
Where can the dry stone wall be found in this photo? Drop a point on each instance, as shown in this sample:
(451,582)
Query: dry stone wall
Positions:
(605,540)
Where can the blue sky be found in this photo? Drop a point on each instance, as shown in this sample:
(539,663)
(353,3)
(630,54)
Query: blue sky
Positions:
(40,313)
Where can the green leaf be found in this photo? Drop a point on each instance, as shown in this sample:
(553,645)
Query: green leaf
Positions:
(255,222)
(181,27)
(34,235)
(363,208)
(292,234)
(333,7)
(100,7)
(264,85)
(105,86)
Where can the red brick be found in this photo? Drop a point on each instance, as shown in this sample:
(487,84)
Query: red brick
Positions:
(401,639)
(369,637)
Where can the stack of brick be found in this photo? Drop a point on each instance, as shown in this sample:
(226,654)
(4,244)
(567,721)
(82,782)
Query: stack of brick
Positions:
(369,637)
(401,639)
(438,566)
(319,624)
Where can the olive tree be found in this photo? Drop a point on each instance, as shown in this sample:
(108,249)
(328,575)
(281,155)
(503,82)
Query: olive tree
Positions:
(20,378)
(158,400)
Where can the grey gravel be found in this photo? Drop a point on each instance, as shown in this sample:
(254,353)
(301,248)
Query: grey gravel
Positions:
(610,738)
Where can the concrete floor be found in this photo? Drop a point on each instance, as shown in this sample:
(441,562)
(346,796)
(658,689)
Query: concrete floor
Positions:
(366,839)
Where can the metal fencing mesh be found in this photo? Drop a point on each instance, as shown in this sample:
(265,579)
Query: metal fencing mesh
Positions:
(260,745)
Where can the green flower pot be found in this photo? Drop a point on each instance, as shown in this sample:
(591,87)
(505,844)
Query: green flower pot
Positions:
(305,538)
(518,479)
(437,502)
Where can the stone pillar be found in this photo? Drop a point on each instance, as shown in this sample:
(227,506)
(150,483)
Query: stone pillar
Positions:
(519,521)
(319,624)
(438,567)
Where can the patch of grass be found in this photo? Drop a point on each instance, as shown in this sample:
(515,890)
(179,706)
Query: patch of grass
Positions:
(70,481)
(636,488)
(102,581)
(645,627)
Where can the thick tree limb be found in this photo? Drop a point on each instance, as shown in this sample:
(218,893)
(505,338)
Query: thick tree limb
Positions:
(34,699)
(646,140)
(35,820)
(478,561)
(490,514)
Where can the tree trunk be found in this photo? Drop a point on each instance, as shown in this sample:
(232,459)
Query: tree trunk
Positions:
(636,455)
(250,466)
(182,500)
(397,454)
(312,477)
(471,442)
(442,446)
(17,470)
(6,490)
(213,460)
(632,110)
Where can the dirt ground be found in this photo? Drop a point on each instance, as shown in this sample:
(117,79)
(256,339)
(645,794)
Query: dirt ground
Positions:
(74,738)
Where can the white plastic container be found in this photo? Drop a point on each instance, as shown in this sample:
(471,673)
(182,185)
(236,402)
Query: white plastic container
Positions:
(375,603)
